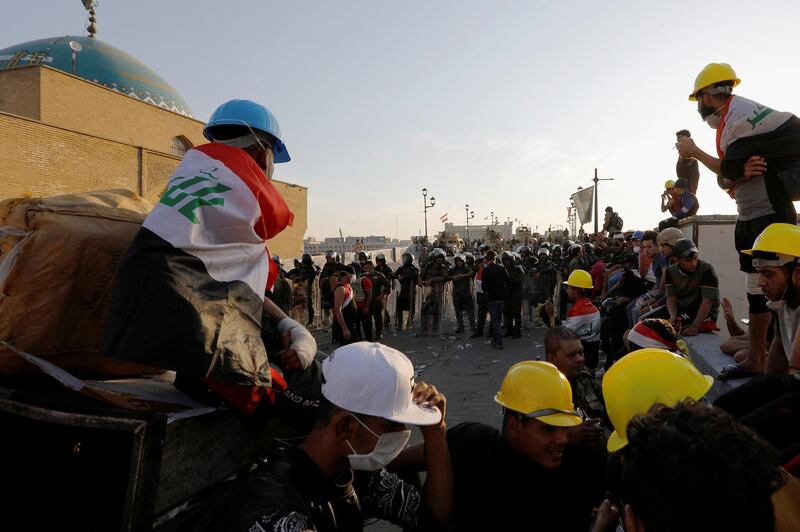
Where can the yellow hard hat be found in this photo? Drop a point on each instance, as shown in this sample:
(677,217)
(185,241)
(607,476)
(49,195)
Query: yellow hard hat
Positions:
(669,183)
(643,378)
(537,389)
(580,279)
(783,239)
(712,74)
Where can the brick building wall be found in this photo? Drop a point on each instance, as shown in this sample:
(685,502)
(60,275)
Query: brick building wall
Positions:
(19,92)
(92,138)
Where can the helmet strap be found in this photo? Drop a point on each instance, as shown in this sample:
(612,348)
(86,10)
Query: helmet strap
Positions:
(789,291)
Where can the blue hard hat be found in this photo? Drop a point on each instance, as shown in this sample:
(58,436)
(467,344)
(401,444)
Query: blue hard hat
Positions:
(255,115)
(638,235)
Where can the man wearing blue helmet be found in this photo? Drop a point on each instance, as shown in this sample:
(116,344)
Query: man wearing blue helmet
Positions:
(190,293)
(252,127)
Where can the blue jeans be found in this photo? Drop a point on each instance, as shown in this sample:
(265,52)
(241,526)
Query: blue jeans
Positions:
(496,315)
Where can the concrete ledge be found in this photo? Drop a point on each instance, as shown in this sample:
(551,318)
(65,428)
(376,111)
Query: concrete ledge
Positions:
(709,359)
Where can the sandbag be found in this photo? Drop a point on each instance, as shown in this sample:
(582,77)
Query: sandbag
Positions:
(58,258)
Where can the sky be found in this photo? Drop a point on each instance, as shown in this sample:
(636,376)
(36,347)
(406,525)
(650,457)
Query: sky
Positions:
(507,106)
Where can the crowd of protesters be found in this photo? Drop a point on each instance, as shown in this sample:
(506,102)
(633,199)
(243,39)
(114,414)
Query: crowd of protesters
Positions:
(577,447)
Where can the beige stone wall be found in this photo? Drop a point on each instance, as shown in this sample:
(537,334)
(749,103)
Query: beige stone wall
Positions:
(157,169)
(44,161)
(290,242)
(92,138)
(19,92)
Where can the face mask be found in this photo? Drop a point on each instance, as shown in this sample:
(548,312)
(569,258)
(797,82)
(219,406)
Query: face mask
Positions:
(636,249)
(713,121)
(709,115)
(388,447)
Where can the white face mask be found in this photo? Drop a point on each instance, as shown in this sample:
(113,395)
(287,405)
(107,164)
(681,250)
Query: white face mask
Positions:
(713,121)
(388,447)
(636,249)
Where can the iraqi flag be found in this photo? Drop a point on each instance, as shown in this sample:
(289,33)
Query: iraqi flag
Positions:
(584,319)
(189,293)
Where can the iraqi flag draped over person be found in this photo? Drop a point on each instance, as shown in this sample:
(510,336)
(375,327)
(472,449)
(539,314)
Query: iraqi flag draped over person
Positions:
(189,293)
(584,319)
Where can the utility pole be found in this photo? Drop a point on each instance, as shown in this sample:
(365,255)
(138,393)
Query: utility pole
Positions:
(426,207)
(597,180)
(470,216)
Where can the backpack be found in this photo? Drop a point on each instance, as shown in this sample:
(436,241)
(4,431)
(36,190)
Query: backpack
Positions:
(616,221)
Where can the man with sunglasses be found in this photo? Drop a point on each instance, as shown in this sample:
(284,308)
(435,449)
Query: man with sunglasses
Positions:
(336,478)
(755,147)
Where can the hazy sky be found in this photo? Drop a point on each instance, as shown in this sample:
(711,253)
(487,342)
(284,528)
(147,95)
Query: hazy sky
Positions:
(507,106)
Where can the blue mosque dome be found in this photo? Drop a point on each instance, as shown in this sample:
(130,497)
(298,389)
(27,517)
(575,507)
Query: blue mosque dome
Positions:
(99,63)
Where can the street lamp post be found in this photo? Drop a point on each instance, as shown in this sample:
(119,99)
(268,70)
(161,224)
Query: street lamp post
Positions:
(597,180)
(426,207)
(470,216)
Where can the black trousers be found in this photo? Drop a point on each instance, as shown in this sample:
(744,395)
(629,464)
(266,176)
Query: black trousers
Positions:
(770,405)
(376,313)
(364,324)
(464,304)
(512,316)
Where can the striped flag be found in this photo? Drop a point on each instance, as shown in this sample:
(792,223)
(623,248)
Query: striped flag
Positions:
(189,293)
(443,218)
(584,319)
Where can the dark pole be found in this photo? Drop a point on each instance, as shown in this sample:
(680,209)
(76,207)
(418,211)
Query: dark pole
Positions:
(425,206)
(425,209)
(467,209)
(596,180)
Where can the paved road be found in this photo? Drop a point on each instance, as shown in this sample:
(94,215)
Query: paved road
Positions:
(467,370)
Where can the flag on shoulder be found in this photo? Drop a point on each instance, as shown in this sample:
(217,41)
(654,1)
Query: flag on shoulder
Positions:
(584,319)
(189,293)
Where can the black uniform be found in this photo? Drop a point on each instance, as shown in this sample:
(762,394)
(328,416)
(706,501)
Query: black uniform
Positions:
(380,287)
(462,296)
(326,295)
(389,274)
(407,275)
(435,276)
(512,309)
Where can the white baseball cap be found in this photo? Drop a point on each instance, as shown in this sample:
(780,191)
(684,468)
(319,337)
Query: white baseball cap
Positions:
(375,380)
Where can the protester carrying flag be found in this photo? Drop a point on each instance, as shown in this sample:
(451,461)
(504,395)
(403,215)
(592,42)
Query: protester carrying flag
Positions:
(189,293)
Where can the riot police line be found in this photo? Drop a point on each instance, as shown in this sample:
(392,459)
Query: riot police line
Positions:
(422,294)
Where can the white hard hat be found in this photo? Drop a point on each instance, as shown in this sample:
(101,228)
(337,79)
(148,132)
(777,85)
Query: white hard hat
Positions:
(375,380)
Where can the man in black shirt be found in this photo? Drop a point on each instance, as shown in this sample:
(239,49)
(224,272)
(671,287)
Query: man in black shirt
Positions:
(368,398)
(510,479)
(495,283)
